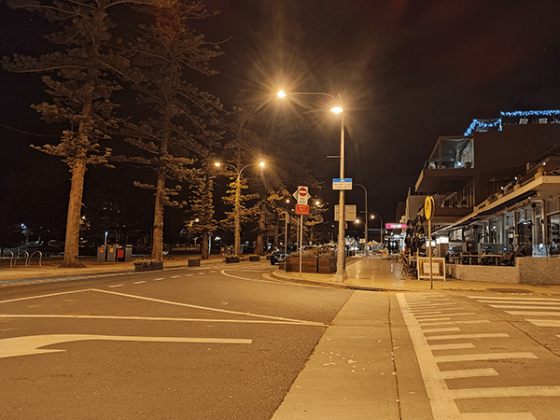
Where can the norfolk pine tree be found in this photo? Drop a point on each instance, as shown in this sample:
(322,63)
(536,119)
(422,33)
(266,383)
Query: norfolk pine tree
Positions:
(80,77)
(167,54)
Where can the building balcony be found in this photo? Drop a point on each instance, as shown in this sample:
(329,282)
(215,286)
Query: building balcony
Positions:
(434,179)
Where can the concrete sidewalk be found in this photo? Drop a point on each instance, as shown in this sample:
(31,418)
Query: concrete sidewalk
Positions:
(375,273)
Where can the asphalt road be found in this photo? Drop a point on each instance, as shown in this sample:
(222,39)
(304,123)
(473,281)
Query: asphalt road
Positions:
(191,343)
(223,342)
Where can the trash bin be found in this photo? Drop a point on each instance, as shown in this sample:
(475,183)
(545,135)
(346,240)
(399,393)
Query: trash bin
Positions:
(111,253)
(102,253)
(124,253)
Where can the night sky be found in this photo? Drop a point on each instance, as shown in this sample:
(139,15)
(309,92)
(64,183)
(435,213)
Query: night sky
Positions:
(408,70)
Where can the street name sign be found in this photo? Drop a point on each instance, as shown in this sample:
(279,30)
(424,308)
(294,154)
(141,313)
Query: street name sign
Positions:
(342,184)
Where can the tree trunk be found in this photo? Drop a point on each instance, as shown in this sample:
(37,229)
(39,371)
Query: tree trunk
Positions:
(72,242)
(275,235)
(205,246)
(260,236)
(157,239)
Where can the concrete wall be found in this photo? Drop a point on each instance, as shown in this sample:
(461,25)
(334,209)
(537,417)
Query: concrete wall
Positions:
(527,270)
(485,273)
(538,270)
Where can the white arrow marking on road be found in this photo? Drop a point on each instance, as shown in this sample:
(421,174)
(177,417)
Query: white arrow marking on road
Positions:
(23,346)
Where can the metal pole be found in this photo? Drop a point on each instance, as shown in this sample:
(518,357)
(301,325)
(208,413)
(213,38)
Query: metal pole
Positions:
(237,239)
(366,221)
(286,241)
(430,251)
(340,256)
(300,243)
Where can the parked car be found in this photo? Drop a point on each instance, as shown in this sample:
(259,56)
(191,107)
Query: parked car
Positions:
(278,255)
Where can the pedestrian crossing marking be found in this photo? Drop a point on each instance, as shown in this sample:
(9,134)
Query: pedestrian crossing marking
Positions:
(467,373)
(483,356)
(520,391)
(455,346)
(450,329)
(523,307)
(521,313)
(467,336)
(498,416)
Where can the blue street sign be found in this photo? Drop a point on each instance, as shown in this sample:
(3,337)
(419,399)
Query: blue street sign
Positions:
(342,184)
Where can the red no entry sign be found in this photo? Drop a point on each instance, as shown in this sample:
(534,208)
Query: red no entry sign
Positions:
(302,191)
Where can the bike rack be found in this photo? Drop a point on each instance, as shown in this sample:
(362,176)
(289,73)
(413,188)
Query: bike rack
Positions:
(13,261)
(31,256)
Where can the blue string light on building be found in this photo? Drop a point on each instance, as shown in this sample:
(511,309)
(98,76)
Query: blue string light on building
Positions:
(507,117)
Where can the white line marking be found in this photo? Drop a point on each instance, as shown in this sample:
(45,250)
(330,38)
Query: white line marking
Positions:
(521,391)
(141,318)
(432,316)
(45,296)
(472,321)
(116,285)
(535,313)
(498,416)
(433,320)
(515,298)
(160,279)
(483,356)
(22,346)
(467,336)
(223,272)
(174,277)
(443,407)
(432,330)
(188,275)
(210,309)
(426,312)
(524,307)
(454,346)
(139,282)
(544,322)
(467,373)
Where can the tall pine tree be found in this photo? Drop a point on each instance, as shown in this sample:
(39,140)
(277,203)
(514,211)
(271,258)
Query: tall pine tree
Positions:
(80,77)
(179,129)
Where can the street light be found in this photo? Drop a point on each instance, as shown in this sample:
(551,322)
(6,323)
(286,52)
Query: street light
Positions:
(366,217)
(237,203)
(341,247)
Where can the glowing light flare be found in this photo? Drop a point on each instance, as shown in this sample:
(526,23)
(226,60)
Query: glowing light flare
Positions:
(281,94)
(337,109)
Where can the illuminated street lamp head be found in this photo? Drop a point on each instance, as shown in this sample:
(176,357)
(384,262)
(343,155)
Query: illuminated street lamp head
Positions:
(261,164)
(358,221)
(337,110)
(217,164)
(281,94)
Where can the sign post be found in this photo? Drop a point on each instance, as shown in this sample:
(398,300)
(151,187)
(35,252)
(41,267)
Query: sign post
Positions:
(302,196)
(429,206)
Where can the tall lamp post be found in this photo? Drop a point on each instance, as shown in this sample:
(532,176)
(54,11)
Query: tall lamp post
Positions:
(366,219)
(341,247)
(237,203)
(373,216)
